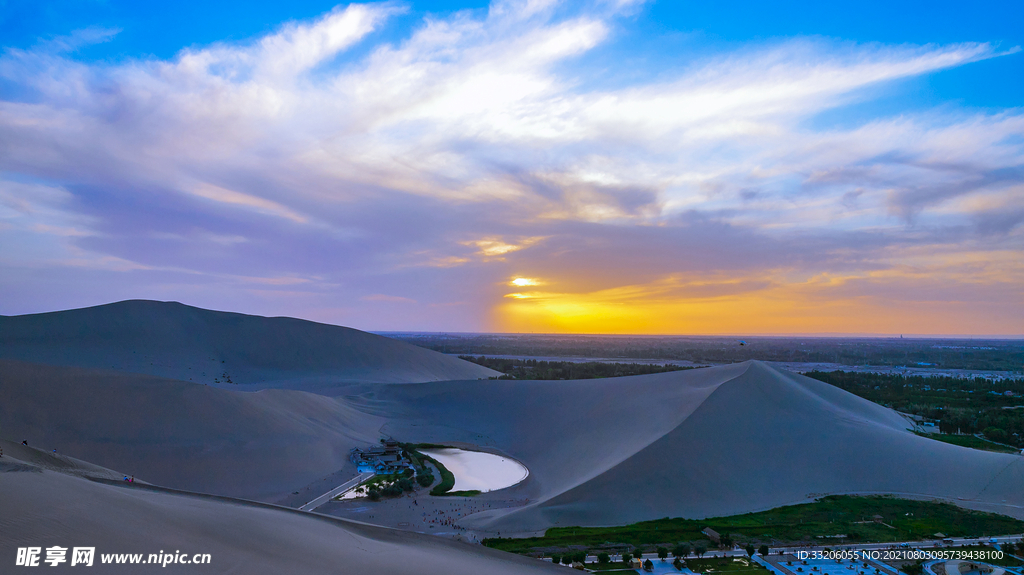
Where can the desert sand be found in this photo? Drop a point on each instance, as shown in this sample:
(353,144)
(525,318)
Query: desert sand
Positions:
(176,341)
(701,443)
(698,443)
(260,445)
(44,508)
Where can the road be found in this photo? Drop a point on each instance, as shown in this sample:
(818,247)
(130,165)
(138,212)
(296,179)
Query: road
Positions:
(336,491)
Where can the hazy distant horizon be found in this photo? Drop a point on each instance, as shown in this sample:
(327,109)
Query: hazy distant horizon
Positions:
(752,335)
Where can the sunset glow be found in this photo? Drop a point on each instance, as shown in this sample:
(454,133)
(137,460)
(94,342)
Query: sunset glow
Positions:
(621,167)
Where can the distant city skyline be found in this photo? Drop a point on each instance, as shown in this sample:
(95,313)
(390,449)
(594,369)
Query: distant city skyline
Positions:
(535,166)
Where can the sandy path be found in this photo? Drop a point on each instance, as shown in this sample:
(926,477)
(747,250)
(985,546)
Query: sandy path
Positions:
(336,492)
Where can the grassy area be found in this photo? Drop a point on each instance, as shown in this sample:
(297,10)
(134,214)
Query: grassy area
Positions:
(728,565)
(969,441)
(902,520)
(552,370)
(380,483)
(447,477)
(725,565)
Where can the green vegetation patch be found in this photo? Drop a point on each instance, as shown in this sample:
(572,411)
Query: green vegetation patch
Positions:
(970,441)
(552,370)
(386,485)
(854,517)
(725,565)
(959,406)
(447,477)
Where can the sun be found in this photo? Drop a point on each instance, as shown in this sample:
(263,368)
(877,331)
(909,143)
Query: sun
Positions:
(523,282)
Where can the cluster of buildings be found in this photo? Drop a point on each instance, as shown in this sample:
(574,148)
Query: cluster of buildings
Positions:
(385,459)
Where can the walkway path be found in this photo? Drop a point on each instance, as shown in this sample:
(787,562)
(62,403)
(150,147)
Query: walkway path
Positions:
(355,481)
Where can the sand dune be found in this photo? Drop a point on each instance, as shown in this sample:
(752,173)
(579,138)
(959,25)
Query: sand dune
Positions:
(176,341)
(43,508)
(698,443)
(259,445)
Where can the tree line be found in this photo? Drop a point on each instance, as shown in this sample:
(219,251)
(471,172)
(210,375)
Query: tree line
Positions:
(551,370)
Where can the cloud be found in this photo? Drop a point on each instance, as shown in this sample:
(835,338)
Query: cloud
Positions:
(219,194)
(387,298)
(474,149)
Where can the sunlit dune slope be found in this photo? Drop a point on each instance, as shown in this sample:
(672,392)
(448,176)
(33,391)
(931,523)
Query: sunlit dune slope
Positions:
(177,341)
(43,508)
(701,443)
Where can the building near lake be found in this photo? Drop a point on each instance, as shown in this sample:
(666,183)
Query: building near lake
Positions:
(384,459)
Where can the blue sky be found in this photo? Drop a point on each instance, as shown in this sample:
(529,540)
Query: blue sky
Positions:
(659,32)
(606,166)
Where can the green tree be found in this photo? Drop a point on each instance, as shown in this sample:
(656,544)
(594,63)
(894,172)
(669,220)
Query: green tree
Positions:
(566,560)
(763,550)
(555,559)
(374,495)
(662,553)
(648,565)
(678,564)
(750,550)
(700,549)
(914,568)
(603,558)
(995,434)
(681,550)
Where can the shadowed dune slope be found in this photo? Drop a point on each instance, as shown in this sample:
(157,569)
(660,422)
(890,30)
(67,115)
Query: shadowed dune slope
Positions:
(702,443)
(44,508)
(256,445)
(697,443)
(177,341)
(18,457)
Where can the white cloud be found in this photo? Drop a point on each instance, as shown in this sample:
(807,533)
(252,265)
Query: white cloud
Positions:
(484,114)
